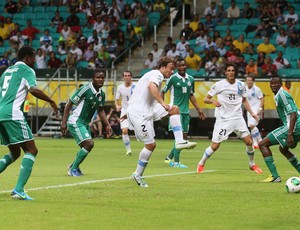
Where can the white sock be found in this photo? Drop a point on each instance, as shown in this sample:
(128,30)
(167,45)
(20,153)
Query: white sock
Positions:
(126,141)
(250,152)
(255,136)
(207,154)
(177,128)
(144,157)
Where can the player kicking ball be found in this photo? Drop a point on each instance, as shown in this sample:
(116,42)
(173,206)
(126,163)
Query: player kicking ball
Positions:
(231,94)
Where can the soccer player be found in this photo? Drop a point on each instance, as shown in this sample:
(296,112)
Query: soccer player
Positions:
(287,135)
(255,98)
(146,106)
(15,83)
(124,91)
(231,94)
(84,102)
(181,86)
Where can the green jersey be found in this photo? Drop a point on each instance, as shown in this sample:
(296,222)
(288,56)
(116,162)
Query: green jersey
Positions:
(14,85)
(181,89)
(87,100)
(286,105)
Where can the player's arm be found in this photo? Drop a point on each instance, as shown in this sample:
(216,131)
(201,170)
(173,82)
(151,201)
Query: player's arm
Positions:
(248,108)
(118,105)
(195,104)
(63,126)
(209,100)
(41,95)
(261,106)
(153,89)
(105,121)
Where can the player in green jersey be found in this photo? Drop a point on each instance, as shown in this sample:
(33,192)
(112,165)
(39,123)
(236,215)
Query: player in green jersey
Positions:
(181,86)
(84,102)
(287,135)
(15,83)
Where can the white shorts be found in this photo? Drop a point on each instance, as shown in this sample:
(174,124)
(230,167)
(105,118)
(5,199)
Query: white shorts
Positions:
(222,129)
(251,121)
(143,126)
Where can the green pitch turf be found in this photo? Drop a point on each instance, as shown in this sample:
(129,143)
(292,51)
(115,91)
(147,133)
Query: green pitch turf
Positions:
(226,196)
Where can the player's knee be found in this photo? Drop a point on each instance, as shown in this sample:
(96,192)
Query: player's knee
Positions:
(175,110)
(88,145)
(124,131)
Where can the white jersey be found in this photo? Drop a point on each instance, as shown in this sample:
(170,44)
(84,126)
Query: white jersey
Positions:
(230,97)
(124,92)
(142,102)
(254,95)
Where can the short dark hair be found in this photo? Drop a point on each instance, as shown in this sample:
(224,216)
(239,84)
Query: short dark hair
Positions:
(127,71)
(276,76)
(25,51)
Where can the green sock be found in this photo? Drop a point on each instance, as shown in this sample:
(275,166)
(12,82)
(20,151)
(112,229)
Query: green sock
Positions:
(270,163)
(81,155)
(176,155)
(6,161)
(294,161)
(25,171)
(171,154)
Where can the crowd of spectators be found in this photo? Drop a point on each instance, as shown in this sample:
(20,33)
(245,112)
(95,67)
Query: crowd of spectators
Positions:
(70,32)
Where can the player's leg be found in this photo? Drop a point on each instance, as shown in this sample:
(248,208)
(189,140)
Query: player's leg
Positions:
(273,138)
(292,158)
(254,131)
(125,137)
(207,154)
(83,138)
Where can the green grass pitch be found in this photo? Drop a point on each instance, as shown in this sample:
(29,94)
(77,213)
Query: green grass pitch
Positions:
(226,196)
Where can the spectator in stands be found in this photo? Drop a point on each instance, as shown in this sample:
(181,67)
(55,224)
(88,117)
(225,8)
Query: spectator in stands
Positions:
(222,50)
(71,60)
(194,25)
(99,24)
(211,10)
(114,123)
(228,38)
(57,2)
(76,51)
(240,43)
(217,38)
(247,12)
(294,40)
(85,7)
(15,30)
(157,52)
(88,54)
(111,47)
(9,25)
(269,69)
(264,30)
(281,62)
(73,5)
(47,48)
(104,56)
(56,20)
(241,65)
(66,31)
(281,38)
(30,31)
(46,37)
(130,34)
(180,47)
(121,43)
(61,49)
(101,7)
(173,52)
(291,28)
(40,59)
(4,62)
(186,31)
(137,10)
(206,57)
(233,12)
(96,126)
(209,42)
(250,49)
(266,46)
(251,68)
(221,14)
(160,7)
(148,7)
(143,19)
(168,45)
(92,38)
(11,7)
(71,39)
(209,23)
(73,21)
(83,44)
(193,61)
(127,13)
(212,67)
(19,38)
(261,59)
(97,45)
(187,11)
(54,62)
(115,10)
(114,33)
(291,16)
(4,31)
(279,16)
(201,38)
(150,63)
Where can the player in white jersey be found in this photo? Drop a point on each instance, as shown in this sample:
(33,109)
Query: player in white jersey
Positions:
(146,106)
(255,98)
(124,92)
(231,94)
(15,83)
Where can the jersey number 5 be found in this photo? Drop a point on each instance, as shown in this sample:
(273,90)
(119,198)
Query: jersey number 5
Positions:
(5,84)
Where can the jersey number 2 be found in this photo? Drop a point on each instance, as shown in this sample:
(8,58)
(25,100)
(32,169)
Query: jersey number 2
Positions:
(5,84)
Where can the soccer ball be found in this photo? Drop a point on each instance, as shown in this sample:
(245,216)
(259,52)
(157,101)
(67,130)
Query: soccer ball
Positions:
(292,185)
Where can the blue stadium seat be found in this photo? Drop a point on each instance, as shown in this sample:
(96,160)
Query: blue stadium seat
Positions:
(191,72)
(291,50)
(143,71)
(284,72)
(295,73)
(51,9)
(19,16)
(82,64)
(38,9)
(2,50)
(27,9)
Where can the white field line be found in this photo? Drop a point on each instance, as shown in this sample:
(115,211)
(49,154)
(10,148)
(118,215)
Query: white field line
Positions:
(104,180)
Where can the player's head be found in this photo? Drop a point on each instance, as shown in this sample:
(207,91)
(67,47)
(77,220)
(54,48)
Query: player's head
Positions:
(230,71)
(288,84)
(166,65)
(27,55)
(250,81)
(98,79)
(275,83)
(181,66)
(127,75)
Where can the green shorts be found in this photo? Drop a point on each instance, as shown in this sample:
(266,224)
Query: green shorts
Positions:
(80,132)
(185,123)
(279,136)
(14,132)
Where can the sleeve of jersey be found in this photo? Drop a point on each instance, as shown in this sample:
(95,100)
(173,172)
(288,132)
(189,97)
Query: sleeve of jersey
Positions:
(244,91)
(193,86)
(31,78)
(167,85)
(213,90)
(77,96)
(289,104)
(156,79)
(102,103)
(118,95)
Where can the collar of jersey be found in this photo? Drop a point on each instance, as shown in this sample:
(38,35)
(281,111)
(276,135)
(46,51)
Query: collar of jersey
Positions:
(94,90)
